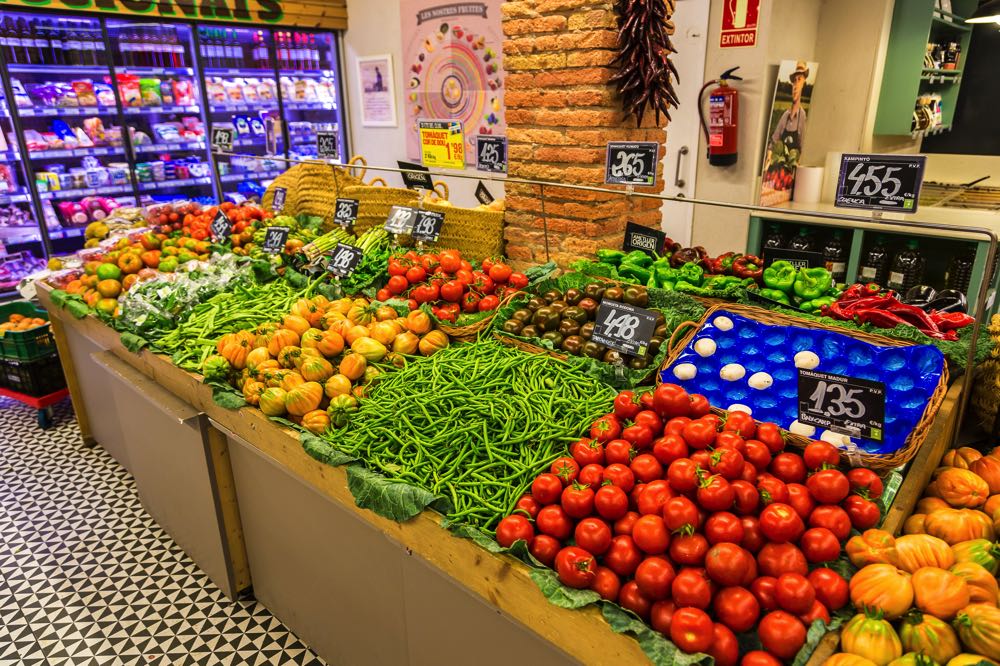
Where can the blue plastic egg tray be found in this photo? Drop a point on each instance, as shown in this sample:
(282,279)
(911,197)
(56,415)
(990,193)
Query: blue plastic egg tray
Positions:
(910,373)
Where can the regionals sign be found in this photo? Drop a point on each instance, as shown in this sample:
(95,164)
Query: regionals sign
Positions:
(252,11)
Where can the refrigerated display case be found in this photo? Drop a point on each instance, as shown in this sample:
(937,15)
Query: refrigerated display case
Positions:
(308,73)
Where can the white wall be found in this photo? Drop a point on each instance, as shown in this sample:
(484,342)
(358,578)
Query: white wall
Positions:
(374,29)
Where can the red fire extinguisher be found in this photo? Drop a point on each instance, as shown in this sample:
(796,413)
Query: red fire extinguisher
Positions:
(721,133)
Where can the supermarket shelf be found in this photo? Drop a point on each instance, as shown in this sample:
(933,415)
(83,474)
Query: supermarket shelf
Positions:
(249,106)
(65,70)
(170,147)
(957,23)
(74,152)
(66,111)
(132,110)
(937,129)
(157,71)
(18,197)
(23,233)
(9,156)
(87,192)
(311,106)
(172,184)
(941,75)
(249,141)
(71,232)
(230,71)
(313,73)
(250,175)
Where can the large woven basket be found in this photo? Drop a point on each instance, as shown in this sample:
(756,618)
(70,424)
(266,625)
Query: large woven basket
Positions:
(986,389)
(312,188)
(861,459)
(475,232)
(375,200)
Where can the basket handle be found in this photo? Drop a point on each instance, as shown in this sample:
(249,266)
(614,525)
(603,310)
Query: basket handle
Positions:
(379,181)
(674,339)
(441,189)
(354,162)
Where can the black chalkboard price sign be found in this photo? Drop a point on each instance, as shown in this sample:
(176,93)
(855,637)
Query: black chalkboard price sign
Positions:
(278,202)
(427,228)
(483,195)
(401,219)
(344,259)
(845,404)
(221,227)
(275,239)
(222,138)
(624,327)
(326,144)
(491,153)
(416,177)
(638,237)
(797,258)
(345,212)
(631,163)
(880,182)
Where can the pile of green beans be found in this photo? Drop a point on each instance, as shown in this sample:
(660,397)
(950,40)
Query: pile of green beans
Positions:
(474,423)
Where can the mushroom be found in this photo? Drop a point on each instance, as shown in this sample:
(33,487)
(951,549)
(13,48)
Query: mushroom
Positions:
(705,347)
(739,407)
(760,380)
(806,360)
(803,429)
(723,323)
(732,372)
(685,371)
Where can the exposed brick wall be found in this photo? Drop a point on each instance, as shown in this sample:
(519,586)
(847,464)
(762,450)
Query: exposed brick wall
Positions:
(561,112)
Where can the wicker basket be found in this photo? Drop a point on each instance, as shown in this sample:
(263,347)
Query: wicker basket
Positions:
(312,188)
(862,459)
(470,332)
(986,389)
(475,232)
(375,200)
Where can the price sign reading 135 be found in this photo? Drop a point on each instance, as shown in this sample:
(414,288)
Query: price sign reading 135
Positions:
(844,404)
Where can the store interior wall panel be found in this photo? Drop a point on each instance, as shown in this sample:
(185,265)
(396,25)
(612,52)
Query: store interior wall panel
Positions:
(336,581)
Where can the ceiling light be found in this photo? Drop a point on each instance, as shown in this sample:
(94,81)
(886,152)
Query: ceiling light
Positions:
(988,12)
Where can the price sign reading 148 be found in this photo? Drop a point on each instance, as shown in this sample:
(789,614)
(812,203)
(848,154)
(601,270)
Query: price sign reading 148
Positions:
(624,327)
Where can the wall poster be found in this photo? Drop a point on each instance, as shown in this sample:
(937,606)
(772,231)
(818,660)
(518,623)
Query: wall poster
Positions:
(378,96)
(452,68)
(786,130)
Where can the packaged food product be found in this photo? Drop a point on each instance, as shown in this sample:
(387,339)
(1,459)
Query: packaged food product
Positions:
(242,124)
(216,91)
(183,92)
(85,94)
(72,213)
(128,87)
(65,95)
(257,126)
(63,131)
(90,162)
(8,179)
(65,181)
(21,98)
(267,90)
(139,138)
(52,141)
(249,87)
(95,130)
(234,91)
(114,136)
(82,140)
(105,94)
(150,91)
(301,92)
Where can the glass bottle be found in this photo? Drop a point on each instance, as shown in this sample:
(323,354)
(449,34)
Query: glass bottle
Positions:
(959,273)
(804,242)
(874,263)
(907,267)
(835,256)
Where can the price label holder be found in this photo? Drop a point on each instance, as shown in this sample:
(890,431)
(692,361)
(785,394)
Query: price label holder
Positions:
(275,239)
(343,260)
(326,145)
(280,194)
(843,404)
(483,195)
(624,327)
(491,153)
(880,182)
(427,228)
(797,258)
(221,227)
(442,143)
(346,212)
(401,219)
(638,237)
(416,177)
(631,163)
(222,138)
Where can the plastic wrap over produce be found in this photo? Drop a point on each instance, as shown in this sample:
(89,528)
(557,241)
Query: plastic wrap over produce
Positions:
(735,361)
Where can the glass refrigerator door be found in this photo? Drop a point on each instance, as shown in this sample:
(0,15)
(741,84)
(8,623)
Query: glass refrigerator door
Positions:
(59,72)
(241,90)
(307,68)
(161,99)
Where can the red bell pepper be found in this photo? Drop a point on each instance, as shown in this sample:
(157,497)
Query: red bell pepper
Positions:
(748,266)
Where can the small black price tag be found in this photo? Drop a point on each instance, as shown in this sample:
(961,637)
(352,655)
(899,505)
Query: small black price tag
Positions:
(343,260)
(631,163)
(418,178)
(880,182)
(483,195)
(401,219)
(638,237)
(427,228)
(624,327)
(222,138)
(797,258)
(280,193)
(221,227)
(346,212)
(491,153)
(845,404)
(326,144)
(274,239)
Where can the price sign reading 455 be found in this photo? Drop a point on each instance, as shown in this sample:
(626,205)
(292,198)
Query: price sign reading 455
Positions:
(880,182)
(631,163)
(343,260)
(844,404)
(624,327)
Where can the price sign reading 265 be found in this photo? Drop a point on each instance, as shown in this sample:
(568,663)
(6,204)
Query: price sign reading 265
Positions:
(631,163)
(880,182)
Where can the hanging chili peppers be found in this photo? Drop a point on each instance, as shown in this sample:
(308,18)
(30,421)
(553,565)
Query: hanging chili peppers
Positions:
(644,48)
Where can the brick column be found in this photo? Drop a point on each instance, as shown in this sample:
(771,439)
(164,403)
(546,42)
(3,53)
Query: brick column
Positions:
(561,112)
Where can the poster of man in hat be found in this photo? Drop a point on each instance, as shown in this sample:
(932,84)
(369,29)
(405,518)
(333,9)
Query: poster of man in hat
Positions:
(786,129)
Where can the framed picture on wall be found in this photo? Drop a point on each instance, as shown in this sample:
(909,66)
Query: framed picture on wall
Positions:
(378,96)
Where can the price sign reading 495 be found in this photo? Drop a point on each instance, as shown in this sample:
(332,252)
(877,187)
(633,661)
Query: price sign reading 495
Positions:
(880,182)
(631,163)
(844,404)
(344,259)
(623,327)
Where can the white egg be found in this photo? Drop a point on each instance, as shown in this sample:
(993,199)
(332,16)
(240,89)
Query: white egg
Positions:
(705,347)
(760,380)
(838,439)
(685,371)
(732,372)
(806,360)
(738,407)
(723,323)
(803,429)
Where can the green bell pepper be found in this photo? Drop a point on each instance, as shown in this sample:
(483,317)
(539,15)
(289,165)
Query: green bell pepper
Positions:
(638,258)
(664,274)
(613,257)
(780,275)
(634,273)
(720,282)
(775,295)
(691,273)
(812,283)
(815,304)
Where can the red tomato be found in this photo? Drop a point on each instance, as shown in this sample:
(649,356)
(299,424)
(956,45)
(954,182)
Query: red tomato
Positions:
(649,419)
(429,262)
(482,283)
(591,475)
(513,528)
(781,634)
(801,500)
(699,406)
(651,535)
(396,267)
(586,451)
(544,549)
(638,436)
(700,433)
(780,523)
(518,280)
(606,583)
(737,608)
(528,506)
(552,520)
(464,276)
(727,439)
(818,454)
(489,303)
(593,535)
(681,515)
(626,405)
(828,486)
(606,428)
(727,564)
(470,303)
(576,567)
(623,557)
(683,475)
(788,467)
(625,524)
(416,274)
(862,512)
(499,273)
(546,488)
(691,587)
(757,454)
(832,518)
(723,527)
(630,598)
(620,475)
(771,489)
(794,593)
(740,423)
(817,612)
(619,451)
(633,497)
(763,589)
(759,658)
(747,500)
(610,502)
(577,501)
(688,549)
(865,480)
(654,577)
(669,448)
(725,649)
(753,538)
(653,497)
(670,400)
(675,426)
(702,458)
(646,468)
(749,474)
(775,559)
(691,630)
(715,494)
(566,469)
(397,284)
(450,260)
(770,434)
(661,615)
(383,294)
(727,463)
(819,544)
(831,588)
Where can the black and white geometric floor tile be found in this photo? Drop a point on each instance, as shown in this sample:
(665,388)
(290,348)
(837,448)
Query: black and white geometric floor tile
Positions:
(88,578)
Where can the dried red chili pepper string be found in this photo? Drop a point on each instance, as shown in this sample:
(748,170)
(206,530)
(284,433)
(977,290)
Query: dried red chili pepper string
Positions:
(644,48)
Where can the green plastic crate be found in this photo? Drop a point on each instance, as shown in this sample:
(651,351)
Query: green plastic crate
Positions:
(25,345)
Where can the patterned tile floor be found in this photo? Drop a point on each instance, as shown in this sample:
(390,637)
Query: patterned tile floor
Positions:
(88,578)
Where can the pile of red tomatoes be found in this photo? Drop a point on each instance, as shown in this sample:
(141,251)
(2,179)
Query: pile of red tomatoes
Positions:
(704,527)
